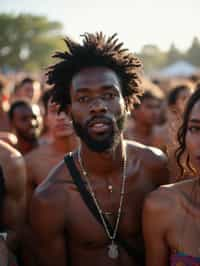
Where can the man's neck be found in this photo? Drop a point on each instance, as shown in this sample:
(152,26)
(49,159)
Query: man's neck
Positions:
(101,163)
(25,146)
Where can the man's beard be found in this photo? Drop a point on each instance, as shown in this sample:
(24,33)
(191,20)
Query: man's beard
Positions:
(108,142)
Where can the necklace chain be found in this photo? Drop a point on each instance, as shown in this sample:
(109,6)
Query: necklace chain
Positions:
(109,234)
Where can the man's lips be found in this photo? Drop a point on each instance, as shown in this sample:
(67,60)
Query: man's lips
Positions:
(99,125)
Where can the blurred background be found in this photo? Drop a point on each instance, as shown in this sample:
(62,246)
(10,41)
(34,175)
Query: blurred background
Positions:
(164,34)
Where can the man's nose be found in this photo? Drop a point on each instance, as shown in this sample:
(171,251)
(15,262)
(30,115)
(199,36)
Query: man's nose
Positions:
(98,106)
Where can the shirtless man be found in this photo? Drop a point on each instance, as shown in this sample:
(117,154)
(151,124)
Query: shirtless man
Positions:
(145,116)
(99,80)
(40,161)
(25,120)
(12,195)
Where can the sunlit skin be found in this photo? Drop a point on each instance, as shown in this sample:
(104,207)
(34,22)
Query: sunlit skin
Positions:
(95,93)
(176,208)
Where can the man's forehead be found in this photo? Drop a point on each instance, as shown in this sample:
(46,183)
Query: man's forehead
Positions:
(98,77)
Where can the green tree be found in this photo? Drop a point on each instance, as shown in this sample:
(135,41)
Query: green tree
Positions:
(193,53)
(173,55)
(28,41)
(152,57)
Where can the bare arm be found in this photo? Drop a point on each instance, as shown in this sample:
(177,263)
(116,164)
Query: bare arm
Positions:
(155,224)
(47,231)
(30,184)
(14,203)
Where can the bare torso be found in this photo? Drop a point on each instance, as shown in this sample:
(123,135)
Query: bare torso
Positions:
(73,226)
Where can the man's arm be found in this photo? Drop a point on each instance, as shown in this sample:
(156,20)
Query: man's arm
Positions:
(47,225)
(155,224)
(14,202)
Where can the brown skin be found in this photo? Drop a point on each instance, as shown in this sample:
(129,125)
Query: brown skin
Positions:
(40,161)
(64,141)
(26,125)
(176,230)
(142,121)
(64,220)
(13,167)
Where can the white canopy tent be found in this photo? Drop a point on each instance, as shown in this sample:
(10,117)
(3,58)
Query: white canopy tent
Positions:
(178,69)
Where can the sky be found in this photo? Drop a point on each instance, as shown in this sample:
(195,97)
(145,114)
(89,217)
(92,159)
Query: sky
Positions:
(137,22)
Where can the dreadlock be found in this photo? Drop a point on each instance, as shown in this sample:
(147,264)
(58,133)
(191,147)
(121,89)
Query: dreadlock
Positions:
(96,50)
(183,130)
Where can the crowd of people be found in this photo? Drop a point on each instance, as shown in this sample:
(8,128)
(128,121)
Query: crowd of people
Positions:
(99,166)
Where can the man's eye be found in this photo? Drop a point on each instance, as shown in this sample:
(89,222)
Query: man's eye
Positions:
(108,96)
(83,99)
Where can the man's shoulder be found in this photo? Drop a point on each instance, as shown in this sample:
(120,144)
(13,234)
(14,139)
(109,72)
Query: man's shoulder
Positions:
(11,160)
(55,182)
(151,155)
(50,198)
(7,151)
(37,153)
(13,166)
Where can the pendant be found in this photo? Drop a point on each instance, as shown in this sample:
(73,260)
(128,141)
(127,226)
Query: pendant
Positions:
(110,188)
(113,252)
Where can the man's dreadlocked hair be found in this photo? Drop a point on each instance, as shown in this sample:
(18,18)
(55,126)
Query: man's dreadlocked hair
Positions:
(183,130)
(96,50)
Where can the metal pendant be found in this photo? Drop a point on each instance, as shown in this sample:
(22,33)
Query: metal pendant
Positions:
(113,252)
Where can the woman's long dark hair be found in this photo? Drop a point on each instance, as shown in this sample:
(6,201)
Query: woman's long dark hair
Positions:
(195,97)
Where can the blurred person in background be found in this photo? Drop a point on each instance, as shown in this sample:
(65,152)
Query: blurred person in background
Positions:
(46,134)
(171,215)
(166,135)
(145,115)
(26,122)
(29,89)
(40,161)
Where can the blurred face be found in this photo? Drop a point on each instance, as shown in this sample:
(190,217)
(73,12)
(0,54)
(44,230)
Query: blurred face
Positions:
(59,124)
(26,122)
(97,108)
(182,99)
(31,91)
(193,136)
(148,112)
